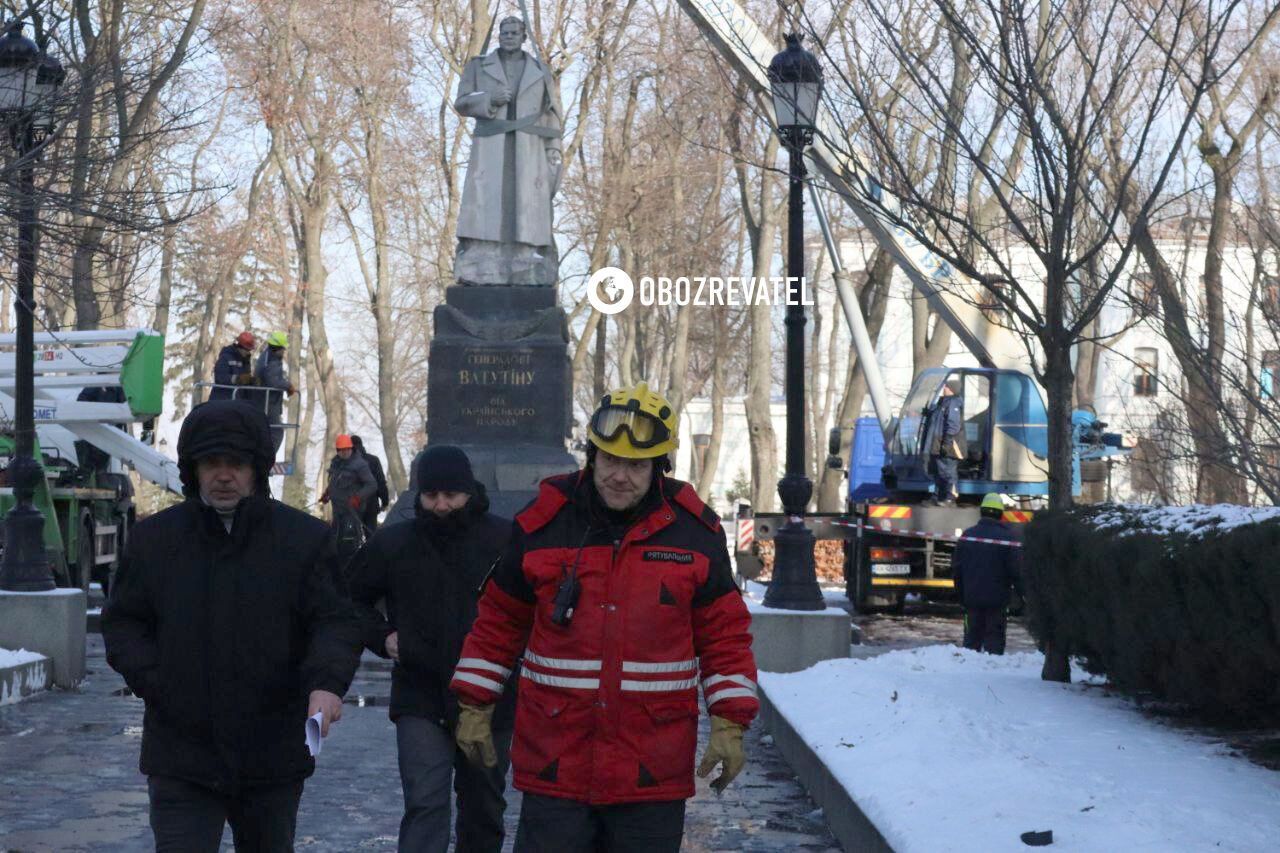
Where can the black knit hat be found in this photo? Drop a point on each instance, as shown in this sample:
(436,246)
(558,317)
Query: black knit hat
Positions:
(445,468)
(231,427)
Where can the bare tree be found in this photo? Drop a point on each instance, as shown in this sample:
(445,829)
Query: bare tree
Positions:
(1029,131)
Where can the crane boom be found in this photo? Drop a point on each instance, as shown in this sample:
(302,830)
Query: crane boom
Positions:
(954,297)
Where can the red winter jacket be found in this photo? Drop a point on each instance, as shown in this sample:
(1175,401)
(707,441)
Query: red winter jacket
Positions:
(608,706)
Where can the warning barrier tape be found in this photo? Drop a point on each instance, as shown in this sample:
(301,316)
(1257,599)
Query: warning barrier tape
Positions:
(918,535)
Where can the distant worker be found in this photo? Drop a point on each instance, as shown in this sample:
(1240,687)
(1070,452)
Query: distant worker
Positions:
(617,589)
(984,572)
(351,485)
(947,445)
(383,497)
(271,375)
(233,368)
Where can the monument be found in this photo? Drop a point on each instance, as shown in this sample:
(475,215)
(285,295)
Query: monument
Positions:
(500,378)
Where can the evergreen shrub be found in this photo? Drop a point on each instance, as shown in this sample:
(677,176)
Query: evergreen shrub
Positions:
(1187,612)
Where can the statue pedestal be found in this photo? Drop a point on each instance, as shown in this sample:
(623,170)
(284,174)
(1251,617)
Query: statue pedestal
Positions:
(500,387)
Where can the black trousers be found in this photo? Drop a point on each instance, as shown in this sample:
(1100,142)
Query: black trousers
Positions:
(555,825)
(188,818)
(984,629)
(429,762)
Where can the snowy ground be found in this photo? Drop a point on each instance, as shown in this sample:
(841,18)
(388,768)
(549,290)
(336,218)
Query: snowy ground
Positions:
(946,749)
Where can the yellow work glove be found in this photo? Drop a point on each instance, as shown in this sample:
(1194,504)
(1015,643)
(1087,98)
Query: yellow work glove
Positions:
(726,746)
(474,735)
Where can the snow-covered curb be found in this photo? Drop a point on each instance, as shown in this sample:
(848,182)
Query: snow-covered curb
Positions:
(945,749)
(21,674)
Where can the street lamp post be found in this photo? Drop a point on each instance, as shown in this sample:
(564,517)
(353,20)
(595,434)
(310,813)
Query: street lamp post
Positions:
(796,80)
(29,78)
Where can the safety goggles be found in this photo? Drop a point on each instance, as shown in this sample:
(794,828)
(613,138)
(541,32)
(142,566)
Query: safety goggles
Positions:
(642,428)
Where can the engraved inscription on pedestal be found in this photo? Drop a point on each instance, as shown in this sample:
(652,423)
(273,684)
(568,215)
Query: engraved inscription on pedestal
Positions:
(500,394)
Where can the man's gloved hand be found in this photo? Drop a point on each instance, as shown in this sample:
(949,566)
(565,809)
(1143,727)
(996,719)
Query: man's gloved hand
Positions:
(324,498)
(474,735)
(244,379)
(726,746)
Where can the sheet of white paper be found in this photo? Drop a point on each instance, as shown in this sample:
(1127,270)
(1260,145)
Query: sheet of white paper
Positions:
(314,741)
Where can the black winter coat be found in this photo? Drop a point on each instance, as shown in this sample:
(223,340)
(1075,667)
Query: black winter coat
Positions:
(231,363)
(985,573)
(431,582)
(225,635)
(374,507)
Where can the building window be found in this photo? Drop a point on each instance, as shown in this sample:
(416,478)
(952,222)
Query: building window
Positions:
(1271,297)
(1269,378)
(989,301)
(1146,371)
(1142,293)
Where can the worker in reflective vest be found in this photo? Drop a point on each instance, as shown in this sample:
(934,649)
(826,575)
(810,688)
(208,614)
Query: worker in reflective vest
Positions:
(617,587)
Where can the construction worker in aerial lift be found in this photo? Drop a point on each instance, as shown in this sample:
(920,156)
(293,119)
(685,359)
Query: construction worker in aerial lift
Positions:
(984,573)
(270,375)
(616,587)
(233,368)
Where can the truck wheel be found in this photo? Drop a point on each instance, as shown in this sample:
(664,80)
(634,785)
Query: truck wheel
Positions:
(85,557)
(856,581)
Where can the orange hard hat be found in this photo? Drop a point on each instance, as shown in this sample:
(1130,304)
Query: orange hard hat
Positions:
(246,340)
(343,442)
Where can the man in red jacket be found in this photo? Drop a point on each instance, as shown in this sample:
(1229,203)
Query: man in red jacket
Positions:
(617,587)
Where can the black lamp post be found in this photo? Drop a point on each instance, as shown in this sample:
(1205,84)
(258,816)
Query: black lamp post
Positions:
(796,80)
(29,79)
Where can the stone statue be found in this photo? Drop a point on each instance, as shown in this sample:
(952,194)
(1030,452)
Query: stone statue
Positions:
(504,223)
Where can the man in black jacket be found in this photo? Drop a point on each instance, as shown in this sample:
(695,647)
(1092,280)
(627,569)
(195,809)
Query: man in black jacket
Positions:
(225,620)
(430,571)
(373,508)
(233,368)
(984,572)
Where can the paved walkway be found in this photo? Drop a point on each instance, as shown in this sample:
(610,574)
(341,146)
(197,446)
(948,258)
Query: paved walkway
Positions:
(69,780)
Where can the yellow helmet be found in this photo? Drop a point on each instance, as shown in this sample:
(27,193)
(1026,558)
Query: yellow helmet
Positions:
(993,501)
(277,339)
(634,423)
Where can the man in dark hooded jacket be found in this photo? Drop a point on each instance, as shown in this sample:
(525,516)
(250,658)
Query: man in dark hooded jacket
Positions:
(373,508)
(224,618)
(430,572)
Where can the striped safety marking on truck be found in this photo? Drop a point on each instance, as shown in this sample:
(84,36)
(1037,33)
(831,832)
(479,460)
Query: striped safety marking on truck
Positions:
(746,533)
(918,535)
(879,511)
(1017,516)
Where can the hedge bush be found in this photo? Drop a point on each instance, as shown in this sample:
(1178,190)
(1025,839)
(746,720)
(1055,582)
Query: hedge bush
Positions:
(1188,611)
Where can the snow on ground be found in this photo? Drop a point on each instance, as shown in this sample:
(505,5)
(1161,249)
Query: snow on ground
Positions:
(1196,519)
(947,749)
(10,658)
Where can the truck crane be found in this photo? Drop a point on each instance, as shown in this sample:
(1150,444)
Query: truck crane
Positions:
(900,543)
(90,386)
